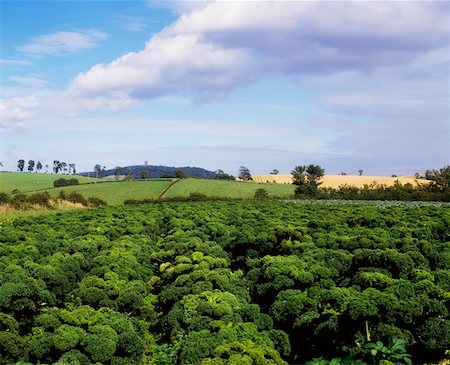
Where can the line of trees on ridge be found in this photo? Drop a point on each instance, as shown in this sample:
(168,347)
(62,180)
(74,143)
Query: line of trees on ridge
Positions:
(58,166)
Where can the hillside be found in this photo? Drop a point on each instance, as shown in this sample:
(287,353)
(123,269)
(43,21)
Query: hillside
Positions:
(334,181)
(26,181)
(114,193)
(155,172)
(226,189)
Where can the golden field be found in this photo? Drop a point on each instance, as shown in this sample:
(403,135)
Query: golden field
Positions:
(334,181)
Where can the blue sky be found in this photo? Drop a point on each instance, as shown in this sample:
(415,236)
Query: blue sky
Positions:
(220,84)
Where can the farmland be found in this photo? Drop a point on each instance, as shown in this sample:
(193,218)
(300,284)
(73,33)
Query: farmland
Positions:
(26,182)
(334,181)
(116,192)
(225,282)
(226,189)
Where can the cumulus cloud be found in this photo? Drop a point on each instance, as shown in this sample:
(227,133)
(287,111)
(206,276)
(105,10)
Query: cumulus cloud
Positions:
(62,42)
(168,64)
(225,44)
(13,111)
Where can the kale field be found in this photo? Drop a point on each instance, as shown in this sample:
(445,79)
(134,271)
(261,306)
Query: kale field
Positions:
(226,282)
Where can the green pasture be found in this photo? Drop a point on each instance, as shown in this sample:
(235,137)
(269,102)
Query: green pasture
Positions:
(30,181)
(114,193)
(227,189)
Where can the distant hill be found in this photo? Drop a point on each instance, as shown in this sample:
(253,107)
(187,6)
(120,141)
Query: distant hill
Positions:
(155,172)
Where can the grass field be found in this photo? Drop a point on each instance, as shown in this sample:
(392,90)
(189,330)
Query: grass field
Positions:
(114,193)
(25,182)
(226,189)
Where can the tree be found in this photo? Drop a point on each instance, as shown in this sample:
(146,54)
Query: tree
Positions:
(244,174)
(144,174)
(72,168)
(97,170)
(360,172)
(30,165)
(221,175)
(46,168)
(39,166)
(440,177)
(56,166)
(20,165)
(180,174)
(63,167)
(274,172)
(117,172)
(315,174)
(307,179)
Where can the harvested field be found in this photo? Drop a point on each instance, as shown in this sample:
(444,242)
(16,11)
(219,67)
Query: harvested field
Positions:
(334,181)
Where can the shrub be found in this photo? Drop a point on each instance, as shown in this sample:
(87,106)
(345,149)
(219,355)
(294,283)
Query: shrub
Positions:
(4,198)
(65,182)
(96,202)
(197,196)
(75,197)
(40,199)
(261,194)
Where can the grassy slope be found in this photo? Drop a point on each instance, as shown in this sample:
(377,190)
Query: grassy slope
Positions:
(26,181)
(116,192)
(231,189)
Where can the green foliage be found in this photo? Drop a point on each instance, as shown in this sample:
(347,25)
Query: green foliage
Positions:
(392,353)
(307,179)
(335,361)
(180,174)
(226,282)
(261,193)
(221,175)
(65,182)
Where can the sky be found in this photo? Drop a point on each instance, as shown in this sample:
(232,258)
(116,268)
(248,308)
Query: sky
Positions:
(268,85)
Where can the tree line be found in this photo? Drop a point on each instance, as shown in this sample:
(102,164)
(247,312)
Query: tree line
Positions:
(307,180)
(58,166)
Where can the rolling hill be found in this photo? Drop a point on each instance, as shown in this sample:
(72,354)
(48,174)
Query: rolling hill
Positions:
(26,181)
(155,172)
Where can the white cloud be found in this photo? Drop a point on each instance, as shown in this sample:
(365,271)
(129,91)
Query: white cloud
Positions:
(224,44)
(167,65)
(29,81)
(63,42)
(16,110)
(134,23)
(5,61)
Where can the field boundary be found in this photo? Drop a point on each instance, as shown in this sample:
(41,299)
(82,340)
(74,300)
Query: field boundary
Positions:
(168,188)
